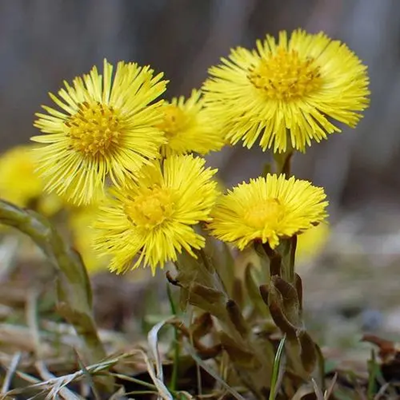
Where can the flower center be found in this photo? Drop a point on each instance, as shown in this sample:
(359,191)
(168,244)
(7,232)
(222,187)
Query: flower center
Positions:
(150,208)
(174,120)
(266,213)
(286,76)
(94,129)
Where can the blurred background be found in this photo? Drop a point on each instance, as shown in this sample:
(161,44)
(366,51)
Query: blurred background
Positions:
(43,42)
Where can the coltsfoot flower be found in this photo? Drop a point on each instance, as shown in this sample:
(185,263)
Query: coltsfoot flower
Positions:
(186,127)
(266,210)
(154,217)
(311,243)
(105,128)
(19,184)
(80,222)
(287,93)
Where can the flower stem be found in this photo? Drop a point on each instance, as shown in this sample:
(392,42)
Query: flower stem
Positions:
(175,367)
(202,287)
(283,162)
(73,286)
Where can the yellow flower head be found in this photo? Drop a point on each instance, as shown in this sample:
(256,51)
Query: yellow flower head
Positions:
(311,243)
(287,93)
(105,127)
(267,209)
(186,127)
(19,184)
(80,223)
(154,216)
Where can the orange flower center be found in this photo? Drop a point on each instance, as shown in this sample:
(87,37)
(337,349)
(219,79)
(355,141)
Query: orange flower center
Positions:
(150,208)
(286,76)
(267,213)
(174,120)
(94,129)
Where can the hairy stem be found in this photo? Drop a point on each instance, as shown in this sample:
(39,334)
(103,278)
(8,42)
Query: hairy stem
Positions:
(74,290)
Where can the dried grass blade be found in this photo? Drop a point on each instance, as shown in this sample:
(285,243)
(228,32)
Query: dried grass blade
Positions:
(10,372)
(162,389)
(203,365)
(152,338)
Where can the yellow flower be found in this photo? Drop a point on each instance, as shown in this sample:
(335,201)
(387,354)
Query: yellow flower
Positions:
(311,243)
(19,184)
(186,127)
(106,128)
(154,217)
(267,209)
(287,93)
(80,223)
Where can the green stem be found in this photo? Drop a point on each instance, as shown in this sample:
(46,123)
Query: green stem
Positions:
(283,162)
(276,372)
(202,287)
(175,366)
(74,290)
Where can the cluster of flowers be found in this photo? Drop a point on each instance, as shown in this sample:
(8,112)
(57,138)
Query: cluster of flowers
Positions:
(112,139)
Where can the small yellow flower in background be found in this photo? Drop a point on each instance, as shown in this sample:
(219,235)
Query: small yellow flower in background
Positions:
(20,185)
(80,223)
(267,209)
(105,128)
(311,243)
(287,93)
(187,129)
(154,217)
